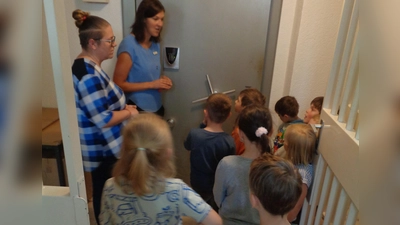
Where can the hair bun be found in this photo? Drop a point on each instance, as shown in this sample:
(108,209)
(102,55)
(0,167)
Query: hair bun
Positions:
(79,16)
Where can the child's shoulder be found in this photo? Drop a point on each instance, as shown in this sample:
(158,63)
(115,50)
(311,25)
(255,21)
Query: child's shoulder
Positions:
(175,184)
(296,121)
(230,160)
(224,137)
(110,182)
(233,163)
(196,130)
(110,186)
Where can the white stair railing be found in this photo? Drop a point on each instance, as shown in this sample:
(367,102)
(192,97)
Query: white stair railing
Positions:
(334,194)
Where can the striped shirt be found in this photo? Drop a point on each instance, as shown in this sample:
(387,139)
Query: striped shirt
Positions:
(96,96)
(306,173)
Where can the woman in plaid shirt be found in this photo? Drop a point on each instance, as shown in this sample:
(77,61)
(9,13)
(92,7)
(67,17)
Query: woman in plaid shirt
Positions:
(99,102)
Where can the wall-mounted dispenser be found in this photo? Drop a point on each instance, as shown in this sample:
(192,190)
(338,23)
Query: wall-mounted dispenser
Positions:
(171,58)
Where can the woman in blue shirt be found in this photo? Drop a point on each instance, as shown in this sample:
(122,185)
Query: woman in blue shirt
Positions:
(138,68)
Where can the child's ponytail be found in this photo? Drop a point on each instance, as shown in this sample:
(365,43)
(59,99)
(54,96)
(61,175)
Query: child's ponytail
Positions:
(265,144)
(146,155)
(256,123)
(139,171)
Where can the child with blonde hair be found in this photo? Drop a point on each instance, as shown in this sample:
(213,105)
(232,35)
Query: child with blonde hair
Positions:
(246,97)
(300,146)
(142,189)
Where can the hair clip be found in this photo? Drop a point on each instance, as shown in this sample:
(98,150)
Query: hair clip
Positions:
(141,149)
(260,131)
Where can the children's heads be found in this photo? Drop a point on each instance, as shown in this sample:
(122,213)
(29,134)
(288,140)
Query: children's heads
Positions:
(247,97)
(146,154)
(218,107)
(313,113)
(287,108)
(300,143)
(256,123)
(275,184)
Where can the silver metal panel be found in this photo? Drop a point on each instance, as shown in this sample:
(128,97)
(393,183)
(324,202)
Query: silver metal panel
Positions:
(128,15)
(225,39)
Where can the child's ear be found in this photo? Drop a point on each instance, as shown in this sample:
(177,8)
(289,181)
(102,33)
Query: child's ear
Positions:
(285,118)
(255,203)
(241,135)
(205,113)
(169,153)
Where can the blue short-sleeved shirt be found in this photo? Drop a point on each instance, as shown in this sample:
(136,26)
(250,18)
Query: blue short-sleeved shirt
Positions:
(306,172)
(96,96)
(146,67)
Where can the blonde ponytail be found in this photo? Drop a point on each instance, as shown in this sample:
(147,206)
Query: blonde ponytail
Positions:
(145,161)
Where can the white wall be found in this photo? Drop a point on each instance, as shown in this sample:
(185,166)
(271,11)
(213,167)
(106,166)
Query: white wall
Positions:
(111,12)
(306,44)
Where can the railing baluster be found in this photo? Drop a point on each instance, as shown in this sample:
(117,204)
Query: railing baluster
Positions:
(351,33)
(352,77)
(341,208)
(342,33)
(331,201)
(353,111)
(358,133)
(352,215)
(317,188)
(324,195)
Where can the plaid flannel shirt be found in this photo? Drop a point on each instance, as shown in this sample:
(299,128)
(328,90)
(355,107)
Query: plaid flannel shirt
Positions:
(96,96)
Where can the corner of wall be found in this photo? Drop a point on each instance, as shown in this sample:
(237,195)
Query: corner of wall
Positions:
(285,53)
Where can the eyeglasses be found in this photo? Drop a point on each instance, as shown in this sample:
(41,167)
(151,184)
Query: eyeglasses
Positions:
(111,41)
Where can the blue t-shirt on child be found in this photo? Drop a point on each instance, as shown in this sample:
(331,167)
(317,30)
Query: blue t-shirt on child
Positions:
(206,150)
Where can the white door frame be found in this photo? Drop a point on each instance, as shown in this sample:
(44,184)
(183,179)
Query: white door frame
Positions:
(64,205)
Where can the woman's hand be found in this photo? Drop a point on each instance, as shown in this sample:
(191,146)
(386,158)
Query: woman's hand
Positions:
(119,116)
(132,109)
(164,83)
